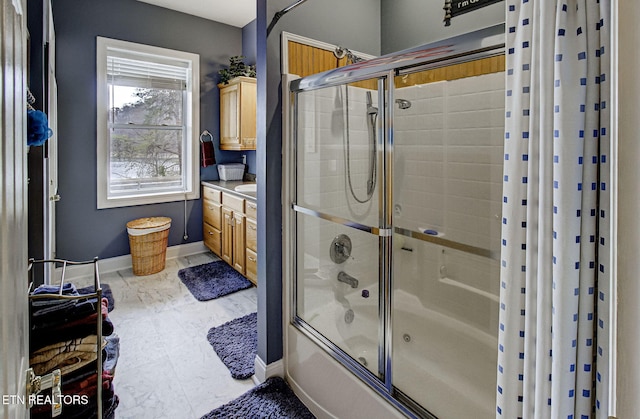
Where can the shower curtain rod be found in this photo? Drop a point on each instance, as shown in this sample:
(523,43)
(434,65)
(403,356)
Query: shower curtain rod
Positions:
(281,13)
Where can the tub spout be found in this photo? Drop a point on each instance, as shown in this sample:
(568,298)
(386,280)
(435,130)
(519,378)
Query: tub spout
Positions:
(348,279)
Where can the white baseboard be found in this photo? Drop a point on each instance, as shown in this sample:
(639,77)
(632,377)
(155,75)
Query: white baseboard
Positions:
(124,262)
(263,371)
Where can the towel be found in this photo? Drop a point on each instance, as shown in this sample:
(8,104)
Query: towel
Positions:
(67,356)
(208,154)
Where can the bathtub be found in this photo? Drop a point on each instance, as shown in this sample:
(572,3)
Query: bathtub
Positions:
(441,363)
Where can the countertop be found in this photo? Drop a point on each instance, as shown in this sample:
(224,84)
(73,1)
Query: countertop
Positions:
(228,186)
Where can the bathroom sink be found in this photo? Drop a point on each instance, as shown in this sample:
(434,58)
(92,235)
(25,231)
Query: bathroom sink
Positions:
(247,187)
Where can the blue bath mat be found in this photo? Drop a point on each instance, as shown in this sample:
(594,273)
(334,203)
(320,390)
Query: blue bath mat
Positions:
(212,280)
(272,399)
(236,343)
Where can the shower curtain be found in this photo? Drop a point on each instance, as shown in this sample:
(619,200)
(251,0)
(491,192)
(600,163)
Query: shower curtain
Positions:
(554,299)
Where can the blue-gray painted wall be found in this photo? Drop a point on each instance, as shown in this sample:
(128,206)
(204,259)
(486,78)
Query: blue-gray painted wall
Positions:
(249,50)
(410,23)
(82,230)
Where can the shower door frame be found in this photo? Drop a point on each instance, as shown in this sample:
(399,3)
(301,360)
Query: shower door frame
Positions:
(480,44)
(383,231)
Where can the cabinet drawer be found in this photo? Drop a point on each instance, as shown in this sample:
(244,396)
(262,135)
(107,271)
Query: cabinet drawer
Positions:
(251,266)
(233,202)
(251,209)
(212,238)
(211,194)
(252,234)
(212,213)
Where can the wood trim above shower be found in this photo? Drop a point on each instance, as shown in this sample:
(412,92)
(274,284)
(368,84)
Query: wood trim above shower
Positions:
(305,56)
(305,60)
(453,72)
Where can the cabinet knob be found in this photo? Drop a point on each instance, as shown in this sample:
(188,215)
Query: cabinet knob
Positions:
(210,233)
(252,259)
(252,227)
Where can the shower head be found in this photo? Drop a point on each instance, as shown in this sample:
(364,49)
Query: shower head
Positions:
(403,103)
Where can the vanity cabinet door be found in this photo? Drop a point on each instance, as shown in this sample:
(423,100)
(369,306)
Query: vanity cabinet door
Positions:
(251,242)
(252,266)
(212,220)
(227,235)
(212,238)
(238,242)
(212,213)
(252,234)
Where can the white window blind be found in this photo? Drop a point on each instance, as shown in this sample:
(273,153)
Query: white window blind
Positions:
(125,71)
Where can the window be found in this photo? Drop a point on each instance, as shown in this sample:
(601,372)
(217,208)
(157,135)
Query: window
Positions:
(148,114)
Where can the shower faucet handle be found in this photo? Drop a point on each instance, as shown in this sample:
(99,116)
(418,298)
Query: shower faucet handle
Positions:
(340,249)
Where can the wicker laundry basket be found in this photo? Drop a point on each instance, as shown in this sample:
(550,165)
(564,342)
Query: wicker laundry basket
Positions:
(148,239)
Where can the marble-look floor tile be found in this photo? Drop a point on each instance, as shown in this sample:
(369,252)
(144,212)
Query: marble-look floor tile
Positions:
(166,368)
(151,391)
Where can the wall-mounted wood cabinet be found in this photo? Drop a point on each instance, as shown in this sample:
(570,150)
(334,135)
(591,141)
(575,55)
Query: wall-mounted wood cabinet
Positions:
(238,114)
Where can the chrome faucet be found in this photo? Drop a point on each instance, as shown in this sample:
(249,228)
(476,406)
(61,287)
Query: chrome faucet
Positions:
(348,279)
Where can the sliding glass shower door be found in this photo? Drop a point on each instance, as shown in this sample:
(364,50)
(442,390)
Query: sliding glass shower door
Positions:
(338,219)
(396,220)
(447,174)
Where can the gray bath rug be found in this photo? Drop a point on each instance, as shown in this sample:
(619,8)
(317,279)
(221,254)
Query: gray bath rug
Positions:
(212,280)
(272,399)
(236,343)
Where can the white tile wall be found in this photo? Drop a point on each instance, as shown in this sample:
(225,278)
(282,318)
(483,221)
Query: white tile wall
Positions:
(447,175)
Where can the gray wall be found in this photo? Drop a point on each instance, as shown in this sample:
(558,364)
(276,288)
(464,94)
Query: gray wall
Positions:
(82,230)
(409,23)
(249,50)
(354,24)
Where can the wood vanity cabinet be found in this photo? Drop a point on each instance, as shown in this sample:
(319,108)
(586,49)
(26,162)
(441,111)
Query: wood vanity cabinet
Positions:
(231,231)
(212,219)
(238,114)
(227,236)
(251,242)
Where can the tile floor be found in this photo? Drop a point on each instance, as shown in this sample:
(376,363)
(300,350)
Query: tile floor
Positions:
(167,368)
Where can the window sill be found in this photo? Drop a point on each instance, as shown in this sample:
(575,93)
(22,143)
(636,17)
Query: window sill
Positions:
(104,203)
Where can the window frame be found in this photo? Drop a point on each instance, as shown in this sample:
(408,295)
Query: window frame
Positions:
(190,122)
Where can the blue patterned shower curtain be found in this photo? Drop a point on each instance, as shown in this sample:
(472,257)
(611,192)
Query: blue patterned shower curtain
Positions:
(553,348)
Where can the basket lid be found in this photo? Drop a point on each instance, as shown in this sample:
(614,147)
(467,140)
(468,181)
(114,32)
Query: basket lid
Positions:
(232,165)
(149,222)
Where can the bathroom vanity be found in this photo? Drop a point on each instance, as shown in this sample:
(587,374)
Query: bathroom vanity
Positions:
(229,224)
